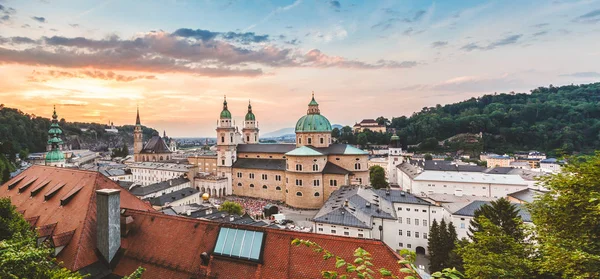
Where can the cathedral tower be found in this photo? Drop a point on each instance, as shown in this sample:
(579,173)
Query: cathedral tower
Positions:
(138,141)
(313,129)
(226,146)
(394,159)
(55,156)
(250,129)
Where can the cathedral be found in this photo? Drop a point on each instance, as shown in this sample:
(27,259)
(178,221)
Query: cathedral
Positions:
(302,175)
(155,150)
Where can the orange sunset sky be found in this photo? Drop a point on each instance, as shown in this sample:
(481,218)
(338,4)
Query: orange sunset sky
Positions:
(98,60)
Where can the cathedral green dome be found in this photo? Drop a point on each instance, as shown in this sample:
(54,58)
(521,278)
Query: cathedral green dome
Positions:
(313,123)
(53,131)
(225,114)
(250,116)
(55,156)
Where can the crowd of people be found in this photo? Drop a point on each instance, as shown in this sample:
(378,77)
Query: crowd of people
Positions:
(252,206)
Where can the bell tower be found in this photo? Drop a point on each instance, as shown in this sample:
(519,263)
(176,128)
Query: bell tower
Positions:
(226,146)
(137,138)
(250,130)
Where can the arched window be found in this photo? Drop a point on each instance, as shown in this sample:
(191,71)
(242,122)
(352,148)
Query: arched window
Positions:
(264,186)
(315,167)
(278,188)
(309,140)
(299,194)
(300,140)
(222,139)
(161,158)
(357,166)
(251,185)
(298,167)
(240,184)
(247,138)
(322,141)
(317,194)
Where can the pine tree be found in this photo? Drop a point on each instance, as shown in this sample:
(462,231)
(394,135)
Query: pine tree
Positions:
(501,213)
(435,248)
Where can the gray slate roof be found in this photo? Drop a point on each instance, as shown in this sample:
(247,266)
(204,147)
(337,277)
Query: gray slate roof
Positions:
(156,145)
(396,196)
(363,204)
(469,210)
(331,168)
(265,148)
(499,170)
(174,196)
(447,166)
(254,163)
(526,195)
(141,191)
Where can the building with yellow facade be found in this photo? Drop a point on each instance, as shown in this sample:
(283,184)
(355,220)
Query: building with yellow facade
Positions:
(302,175)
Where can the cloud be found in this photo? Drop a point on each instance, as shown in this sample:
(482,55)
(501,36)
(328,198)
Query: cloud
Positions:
(6,13)
(334,4)
(274,12)
(38,76)
(541,33)
(439,44)
(508,40)
(187,51)
(395,17)
(39,19)
(74,25)
(591,17)
(583,75)
(315,58)
(540,25)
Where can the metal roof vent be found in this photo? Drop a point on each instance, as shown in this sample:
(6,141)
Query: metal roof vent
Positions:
(368,204)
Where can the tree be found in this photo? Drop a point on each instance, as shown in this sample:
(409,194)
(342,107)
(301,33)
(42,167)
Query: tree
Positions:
(434,246)
(377,177)
(362,139)
(335,133)
(231,207)
(11,221)
(441,243)
(382,121)
(428,157)
(137,274)
(501,213)
(5,175)
(362,266)
(24,154)
(496,254)
(567,220)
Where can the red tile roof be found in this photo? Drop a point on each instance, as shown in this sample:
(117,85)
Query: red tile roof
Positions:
(167,246)
(170,247)
(77,216)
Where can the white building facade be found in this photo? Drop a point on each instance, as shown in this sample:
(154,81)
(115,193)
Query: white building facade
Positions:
(146,173)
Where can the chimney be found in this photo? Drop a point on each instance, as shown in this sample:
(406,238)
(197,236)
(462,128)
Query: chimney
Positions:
(108,222)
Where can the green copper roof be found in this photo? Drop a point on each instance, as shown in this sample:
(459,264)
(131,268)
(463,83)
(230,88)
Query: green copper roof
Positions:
(55,156)
(250,116)
(54,130)
(304,151)
(225,114)
(55,140)
(395,137)
(351,150)
(313,123)
(313,102)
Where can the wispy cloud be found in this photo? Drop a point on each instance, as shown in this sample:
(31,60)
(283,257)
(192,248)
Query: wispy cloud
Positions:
(583,75)
(6,13)
(541,33)
(43,76)
(540,25)
(275,12)
(39,19)
(439,44)
(335,5)
(591,17)
(508,40)
(205,35)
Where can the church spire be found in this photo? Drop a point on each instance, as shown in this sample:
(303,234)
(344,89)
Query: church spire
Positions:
(250,115)
(313,106)
(137,119)
(225,114)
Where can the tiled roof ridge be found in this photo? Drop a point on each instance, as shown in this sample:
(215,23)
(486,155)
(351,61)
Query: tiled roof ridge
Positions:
(59,168)
(86,223)
(270,230)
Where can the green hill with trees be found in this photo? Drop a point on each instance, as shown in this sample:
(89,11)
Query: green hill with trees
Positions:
(556,120)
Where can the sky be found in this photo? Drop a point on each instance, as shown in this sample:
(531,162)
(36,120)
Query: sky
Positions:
(98,60)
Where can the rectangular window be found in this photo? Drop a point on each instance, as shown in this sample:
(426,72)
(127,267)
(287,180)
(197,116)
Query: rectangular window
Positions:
(332,231)
(408,245)
(320,229)
(346,233)
(408,233)
(462,225)
(298,182)
(332,182)
(400,244)
(424,222)
(433,211)
(416,222)
(399,208)
(239,174)
(400,220)
(425,235)
(251,175)
(399,232)
(242,244)
(408,221)
(360,235)
(316,182)
(264,177)
(278,178)
(416,234)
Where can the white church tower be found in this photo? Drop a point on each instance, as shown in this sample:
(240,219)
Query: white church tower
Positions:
(394,159)
(226,145)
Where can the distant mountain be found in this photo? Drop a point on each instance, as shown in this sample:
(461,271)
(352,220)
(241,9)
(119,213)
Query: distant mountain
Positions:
(288,131)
